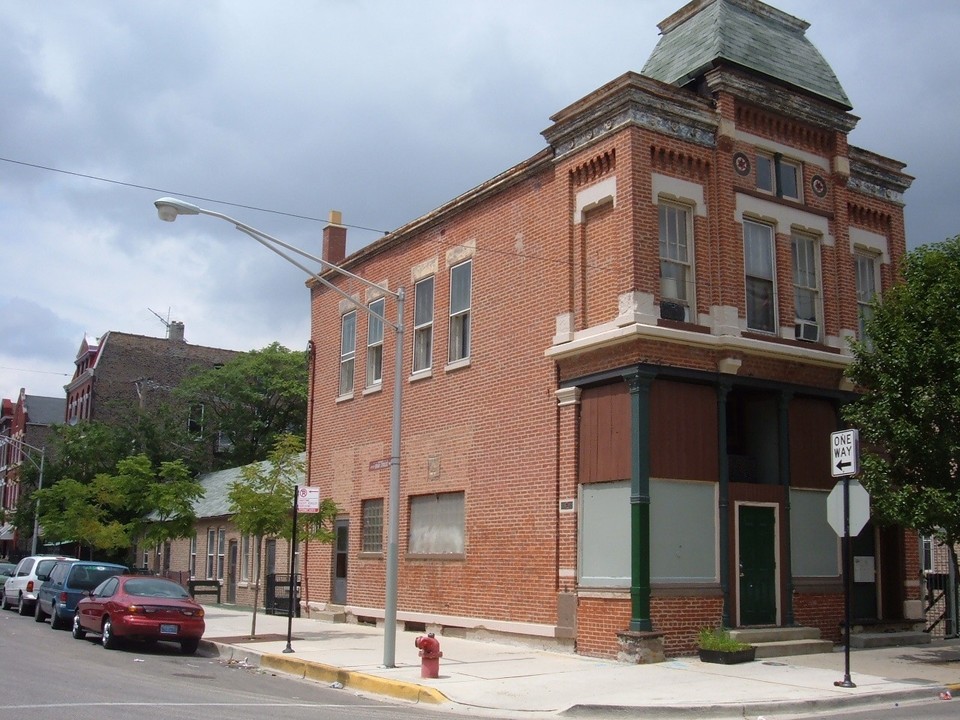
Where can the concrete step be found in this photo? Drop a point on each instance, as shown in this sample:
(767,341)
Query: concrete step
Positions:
(331,613)
(774,634)
(786,648)
(888,639)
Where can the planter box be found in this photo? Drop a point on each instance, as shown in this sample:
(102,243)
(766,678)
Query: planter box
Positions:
(728,657)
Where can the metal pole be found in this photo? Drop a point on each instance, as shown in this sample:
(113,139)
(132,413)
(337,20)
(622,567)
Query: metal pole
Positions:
(36,511)
(293,566)
(846,682)
(393,530)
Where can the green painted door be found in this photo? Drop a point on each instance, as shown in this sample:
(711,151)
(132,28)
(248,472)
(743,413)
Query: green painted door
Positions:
(758,565)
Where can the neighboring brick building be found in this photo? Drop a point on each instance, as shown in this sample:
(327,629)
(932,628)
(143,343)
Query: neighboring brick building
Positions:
(124,372)
(622,361)
(25,428)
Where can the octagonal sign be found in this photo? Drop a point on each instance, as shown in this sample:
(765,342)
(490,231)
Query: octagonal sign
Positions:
(859,507)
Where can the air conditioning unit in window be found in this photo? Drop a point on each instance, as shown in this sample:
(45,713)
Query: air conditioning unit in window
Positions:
(807,330)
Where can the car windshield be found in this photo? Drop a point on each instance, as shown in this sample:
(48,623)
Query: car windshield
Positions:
(45,566)
(87,577)
(155,587)
(7,568)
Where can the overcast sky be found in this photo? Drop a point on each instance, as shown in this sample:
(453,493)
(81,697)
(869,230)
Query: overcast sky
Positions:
(383,110)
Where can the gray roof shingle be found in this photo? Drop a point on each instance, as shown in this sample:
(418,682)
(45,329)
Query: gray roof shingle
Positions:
(747,33)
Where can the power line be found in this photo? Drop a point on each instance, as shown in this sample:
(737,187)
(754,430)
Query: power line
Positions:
(41,372)
(181,194)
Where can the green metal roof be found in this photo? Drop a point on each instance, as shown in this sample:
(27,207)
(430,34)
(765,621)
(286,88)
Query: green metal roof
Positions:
(747,33)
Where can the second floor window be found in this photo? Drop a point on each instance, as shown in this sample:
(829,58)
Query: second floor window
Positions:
(348,346)
(675,255)
(866,279)
(806,287)
(375,344)
(761,290)
(423,325)
(461,277)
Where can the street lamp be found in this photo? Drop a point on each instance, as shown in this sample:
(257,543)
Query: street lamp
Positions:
(168,209)
(20,445)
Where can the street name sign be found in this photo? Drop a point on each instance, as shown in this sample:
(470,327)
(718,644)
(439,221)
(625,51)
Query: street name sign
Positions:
(844,453)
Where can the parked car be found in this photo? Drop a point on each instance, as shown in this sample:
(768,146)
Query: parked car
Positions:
(139,607)
(21,589)
(69,581)
(6,570)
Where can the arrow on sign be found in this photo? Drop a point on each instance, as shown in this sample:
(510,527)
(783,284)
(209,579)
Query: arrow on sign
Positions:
(841,465)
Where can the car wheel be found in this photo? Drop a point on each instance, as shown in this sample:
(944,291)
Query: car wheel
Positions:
(56,622)
(78,632)
(107,637)
(38,614)
(189,647)
(21,606)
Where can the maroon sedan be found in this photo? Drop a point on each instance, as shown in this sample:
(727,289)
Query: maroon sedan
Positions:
(139,607)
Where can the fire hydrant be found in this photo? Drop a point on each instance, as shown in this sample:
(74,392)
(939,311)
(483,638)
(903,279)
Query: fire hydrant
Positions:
(429,655)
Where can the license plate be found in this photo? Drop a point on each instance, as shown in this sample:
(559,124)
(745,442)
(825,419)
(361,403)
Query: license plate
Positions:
(168,629)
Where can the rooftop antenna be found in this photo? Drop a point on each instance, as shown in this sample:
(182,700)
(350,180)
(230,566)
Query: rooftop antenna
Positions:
(166,322)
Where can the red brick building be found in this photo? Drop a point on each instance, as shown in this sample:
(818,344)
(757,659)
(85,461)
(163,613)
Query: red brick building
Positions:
(622,361)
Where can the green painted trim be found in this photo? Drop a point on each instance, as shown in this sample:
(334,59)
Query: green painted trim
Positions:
(783,431)
(723,389)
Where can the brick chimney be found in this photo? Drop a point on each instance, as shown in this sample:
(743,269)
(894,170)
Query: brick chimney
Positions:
(334,239)
(175,331)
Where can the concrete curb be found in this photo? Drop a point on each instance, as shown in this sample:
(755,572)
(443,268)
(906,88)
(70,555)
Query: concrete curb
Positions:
(318,672)
(741,710)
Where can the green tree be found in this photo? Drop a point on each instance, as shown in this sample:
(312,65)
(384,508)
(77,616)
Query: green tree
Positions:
(909,413)
(262,504)
(249,402)
(107,513)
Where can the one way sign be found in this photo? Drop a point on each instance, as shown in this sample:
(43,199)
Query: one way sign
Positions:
(844,453)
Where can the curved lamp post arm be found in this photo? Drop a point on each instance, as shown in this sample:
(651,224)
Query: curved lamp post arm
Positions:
(168,209)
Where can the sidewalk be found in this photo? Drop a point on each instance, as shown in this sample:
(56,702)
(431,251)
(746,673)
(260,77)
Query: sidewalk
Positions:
(498,679)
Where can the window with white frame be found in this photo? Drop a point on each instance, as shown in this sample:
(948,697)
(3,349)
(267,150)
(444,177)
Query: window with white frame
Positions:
(372,525)
(759,270)
(375,343)
(245,557)
(348,347)
(221,545)
(866,279)
(461,280)
(778,176)
(193,556)
(806,286)
(423,325)
(676,235)
(926,557)
(211,552)
(437,524)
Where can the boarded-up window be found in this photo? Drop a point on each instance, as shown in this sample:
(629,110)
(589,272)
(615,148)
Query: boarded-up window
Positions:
(605,433)
(605,535)
(683,531)
(811,422)
(683,431)
(813,543)
(437,524)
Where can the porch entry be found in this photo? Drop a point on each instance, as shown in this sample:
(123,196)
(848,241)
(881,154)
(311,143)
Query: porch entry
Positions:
(757,564)
(341,545)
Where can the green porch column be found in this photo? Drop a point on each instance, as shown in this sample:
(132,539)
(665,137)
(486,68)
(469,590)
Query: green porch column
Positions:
(638,383)
(723,389)
(783,432)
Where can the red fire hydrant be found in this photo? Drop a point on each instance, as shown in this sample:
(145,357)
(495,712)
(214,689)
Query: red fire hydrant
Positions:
(429,655)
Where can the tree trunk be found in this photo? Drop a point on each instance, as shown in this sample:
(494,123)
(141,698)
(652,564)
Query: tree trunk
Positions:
(256,587)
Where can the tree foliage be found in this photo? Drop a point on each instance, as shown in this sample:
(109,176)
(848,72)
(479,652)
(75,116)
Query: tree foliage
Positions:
(110,511)
(909,414)
(262,503)
(250,401)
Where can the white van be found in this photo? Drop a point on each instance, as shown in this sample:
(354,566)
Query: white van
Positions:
(21,588)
